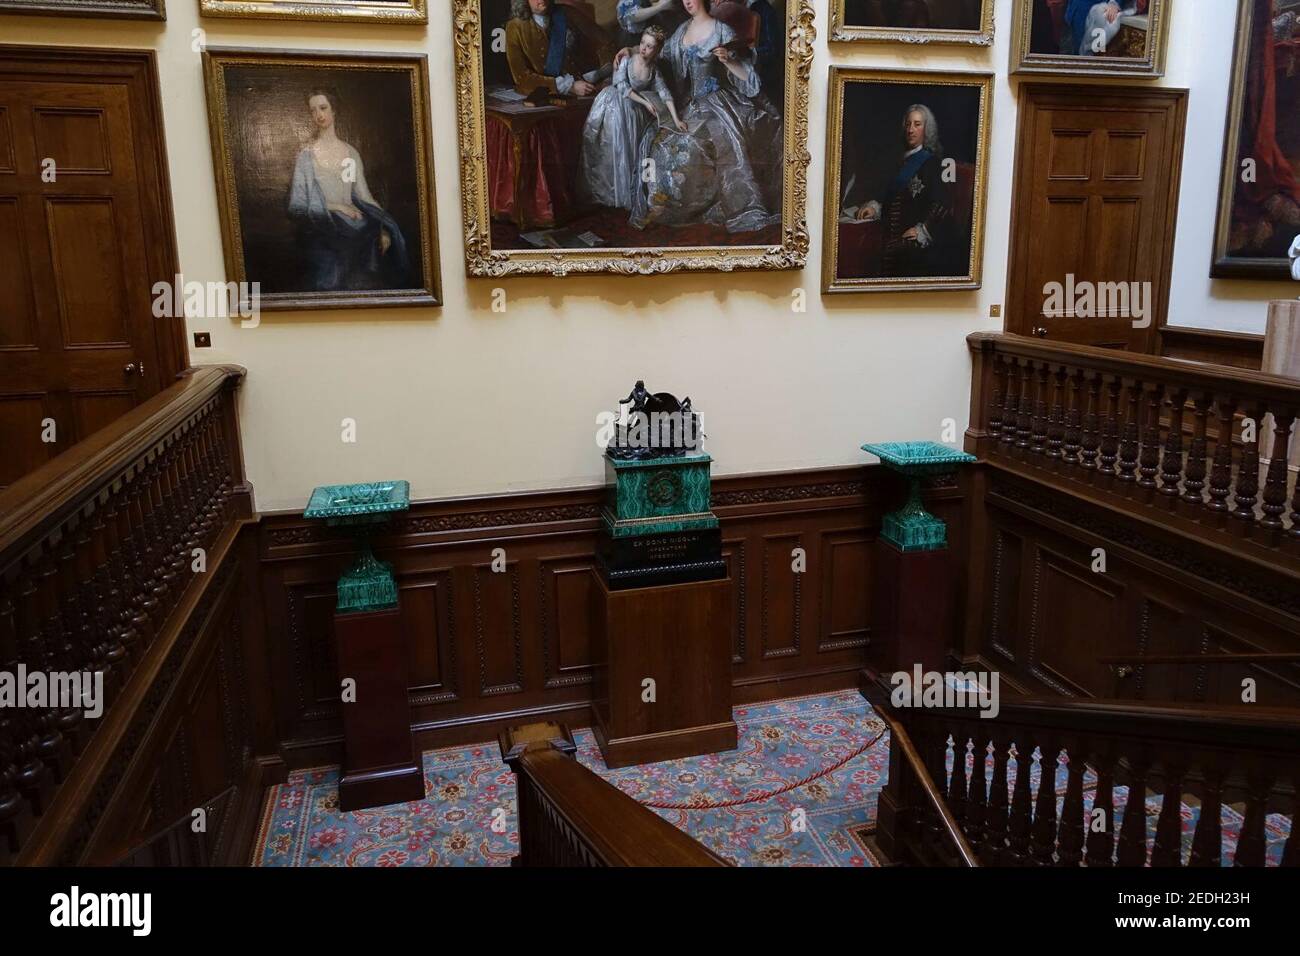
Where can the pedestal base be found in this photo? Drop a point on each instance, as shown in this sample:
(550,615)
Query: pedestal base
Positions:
(679,637)
(380,765)
(911,605)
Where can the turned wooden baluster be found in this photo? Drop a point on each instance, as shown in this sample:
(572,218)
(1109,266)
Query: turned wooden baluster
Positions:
(1221,471)
(1252,842)
(1149,456)
(1171,465)
(957,779)
(1025,419)
(15,813)
(147,543)
(1128,445)
(47,745)
(1207,842)
(1275,485)
(995,814)
(119,634)
(1091,437)
(1011,405)
(1194,481)
(1020,824)
(1110,429)
(1247,490)
(1167,850)
(1056,417)
(1133,831)
(58,656)
(101,637)
(1044,831)
(83,652)
(1073,436)
(1291,852)
(1101,828)
(999,393)
(1069,836)
(1038,421)
(977,795)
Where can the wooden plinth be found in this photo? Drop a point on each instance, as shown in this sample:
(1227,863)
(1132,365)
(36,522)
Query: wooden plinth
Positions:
(680,637)
(380,765)
(911,608)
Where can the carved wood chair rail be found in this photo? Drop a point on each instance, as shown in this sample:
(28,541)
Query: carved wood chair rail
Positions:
(1202,448)
(96,553)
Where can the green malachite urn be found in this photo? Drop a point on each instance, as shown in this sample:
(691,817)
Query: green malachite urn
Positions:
(362,509)
(912,528)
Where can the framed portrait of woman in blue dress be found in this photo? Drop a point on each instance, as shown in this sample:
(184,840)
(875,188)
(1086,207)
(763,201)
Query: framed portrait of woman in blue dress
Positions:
(324,176)
(633,136)
(1090,37)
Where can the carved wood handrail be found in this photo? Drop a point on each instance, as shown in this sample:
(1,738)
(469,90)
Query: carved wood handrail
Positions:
(569,816)
(103,551)
(1134,432)
(1214,755)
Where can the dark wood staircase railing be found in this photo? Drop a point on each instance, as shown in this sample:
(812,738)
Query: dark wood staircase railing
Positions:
(112,557)
(569,816)
(1163,439)
(990,769)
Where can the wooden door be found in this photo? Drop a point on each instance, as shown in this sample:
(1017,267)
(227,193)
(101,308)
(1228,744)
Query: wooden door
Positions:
(85,232)
(1093,213)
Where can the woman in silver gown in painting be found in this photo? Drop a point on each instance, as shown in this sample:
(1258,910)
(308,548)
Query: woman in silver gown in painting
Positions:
(726,169)
(610,167)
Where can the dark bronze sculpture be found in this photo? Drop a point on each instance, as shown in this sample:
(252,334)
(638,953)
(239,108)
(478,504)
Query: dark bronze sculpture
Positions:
(655,425)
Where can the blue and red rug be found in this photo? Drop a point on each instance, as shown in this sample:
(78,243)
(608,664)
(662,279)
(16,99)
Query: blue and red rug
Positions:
(799,790)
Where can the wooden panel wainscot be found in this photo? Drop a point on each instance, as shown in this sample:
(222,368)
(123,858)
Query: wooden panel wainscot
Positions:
(492,648)
(1130,507)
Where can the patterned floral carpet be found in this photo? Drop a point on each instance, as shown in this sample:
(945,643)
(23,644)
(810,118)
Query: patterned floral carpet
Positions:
(799,790)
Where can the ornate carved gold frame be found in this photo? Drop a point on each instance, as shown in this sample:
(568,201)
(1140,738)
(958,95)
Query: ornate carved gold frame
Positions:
(839,76)
(416,65)
(411,11)
(1152,65)
(849,33)
(481,260)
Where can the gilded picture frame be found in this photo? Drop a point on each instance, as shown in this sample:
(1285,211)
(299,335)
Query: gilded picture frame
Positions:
(868,258)
(369,11)
(395,207)
(844,31)
(1252,231)
(1137,50)
(483,258)
(119,9)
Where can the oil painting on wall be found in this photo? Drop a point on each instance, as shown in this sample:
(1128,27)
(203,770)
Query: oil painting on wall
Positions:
(1109,37)
(907,156)
(632,135)
(1259,197)
(324,176)
(913,21)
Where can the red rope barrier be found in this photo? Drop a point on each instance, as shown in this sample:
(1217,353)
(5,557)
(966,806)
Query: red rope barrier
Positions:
(774,793)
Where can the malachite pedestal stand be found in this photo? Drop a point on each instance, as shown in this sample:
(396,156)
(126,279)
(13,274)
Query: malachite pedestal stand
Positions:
(380,763)
(912,583)
(656,526)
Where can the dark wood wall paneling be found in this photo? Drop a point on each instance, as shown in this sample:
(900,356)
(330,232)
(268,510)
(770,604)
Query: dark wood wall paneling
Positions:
(1045,617)
(493,648)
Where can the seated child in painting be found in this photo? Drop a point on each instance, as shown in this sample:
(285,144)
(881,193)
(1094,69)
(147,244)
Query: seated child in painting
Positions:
(609,170)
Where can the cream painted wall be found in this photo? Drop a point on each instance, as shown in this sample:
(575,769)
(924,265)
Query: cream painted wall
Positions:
(464,401)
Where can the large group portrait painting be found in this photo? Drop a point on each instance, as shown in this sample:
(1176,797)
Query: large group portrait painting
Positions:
(908,156)
(325,177)
(1259,201)
(613,128)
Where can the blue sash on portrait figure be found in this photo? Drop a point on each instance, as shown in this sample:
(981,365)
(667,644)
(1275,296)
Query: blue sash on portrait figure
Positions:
(342,254)
(911,166)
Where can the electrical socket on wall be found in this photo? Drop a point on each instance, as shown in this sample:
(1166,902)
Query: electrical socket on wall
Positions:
(203,340)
